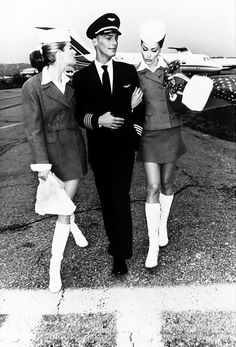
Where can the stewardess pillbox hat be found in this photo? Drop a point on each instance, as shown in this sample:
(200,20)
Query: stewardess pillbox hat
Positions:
(152,31)
(54,35)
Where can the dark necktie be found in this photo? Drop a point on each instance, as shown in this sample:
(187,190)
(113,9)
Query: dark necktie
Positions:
(106,81)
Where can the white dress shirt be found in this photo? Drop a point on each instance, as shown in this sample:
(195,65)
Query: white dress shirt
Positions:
(161,63)
(46,78)
(109,69)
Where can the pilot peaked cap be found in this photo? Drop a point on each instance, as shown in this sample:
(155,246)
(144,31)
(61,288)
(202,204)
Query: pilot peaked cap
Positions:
(106,24)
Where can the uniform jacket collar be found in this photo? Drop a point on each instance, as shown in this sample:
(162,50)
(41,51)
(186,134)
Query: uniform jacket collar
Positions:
(53,92)
(109,63)
(115,74)
(46,78)
(143,65)
(156,76)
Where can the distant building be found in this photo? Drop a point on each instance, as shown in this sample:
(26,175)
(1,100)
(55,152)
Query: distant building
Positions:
(70,71)
(31,71)
(28,72)
(6,78)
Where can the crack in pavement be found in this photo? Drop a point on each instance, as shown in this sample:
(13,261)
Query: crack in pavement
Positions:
(138,311)
(190,176)
(8,147)
(224,189)
(60,300)
(41,255)
(15,227)
(131,339)
(6,107)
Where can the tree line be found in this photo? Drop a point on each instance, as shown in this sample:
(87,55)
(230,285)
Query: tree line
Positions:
(10,75)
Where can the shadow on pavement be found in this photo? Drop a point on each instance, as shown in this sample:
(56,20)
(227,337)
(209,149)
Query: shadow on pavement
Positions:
(219,122)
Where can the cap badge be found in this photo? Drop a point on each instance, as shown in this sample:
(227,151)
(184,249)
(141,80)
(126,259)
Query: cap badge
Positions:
(111,19)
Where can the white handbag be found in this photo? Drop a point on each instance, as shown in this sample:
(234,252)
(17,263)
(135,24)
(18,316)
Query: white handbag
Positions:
(197,92)
(51,198)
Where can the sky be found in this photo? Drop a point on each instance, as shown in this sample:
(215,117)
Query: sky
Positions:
(205,26)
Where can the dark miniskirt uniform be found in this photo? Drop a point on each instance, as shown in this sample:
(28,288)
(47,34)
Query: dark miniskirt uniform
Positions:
(67,153)
(161,146)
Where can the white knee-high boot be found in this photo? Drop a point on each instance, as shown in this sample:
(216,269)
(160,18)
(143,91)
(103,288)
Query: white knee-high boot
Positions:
(59,241)
(152,212)
(165,202)
(80,240)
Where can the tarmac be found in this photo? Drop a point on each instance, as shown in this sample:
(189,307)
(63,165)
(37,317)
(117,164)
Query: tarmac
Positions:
(188,300)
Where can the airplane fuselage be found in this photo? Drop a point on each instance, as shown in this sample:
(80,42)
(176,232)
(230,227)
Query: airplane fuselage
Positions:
(198,63)
(189,62)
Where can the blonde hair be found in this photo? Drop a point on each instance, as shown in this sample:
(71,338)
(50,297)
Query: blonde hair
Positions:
(49,51)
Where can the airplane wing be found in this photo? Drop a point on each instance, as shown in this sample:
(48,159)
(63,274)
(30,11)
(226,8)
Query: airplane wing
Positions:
(180,49)
(45,28)
(224,87)
(223,93)
(78,47)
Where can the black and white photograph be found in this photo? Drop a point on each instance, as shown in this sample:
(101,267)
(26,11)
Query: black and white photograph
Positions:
(117,175)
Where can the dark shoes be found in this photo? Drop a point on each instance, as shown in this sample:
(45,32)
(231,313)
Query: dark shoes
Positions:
(119,266)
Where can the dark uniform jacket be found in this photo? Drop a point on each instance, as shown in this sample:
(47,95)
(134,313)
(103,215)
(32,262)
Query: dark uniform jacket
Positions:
(159,111)
(92,103)
(51,129)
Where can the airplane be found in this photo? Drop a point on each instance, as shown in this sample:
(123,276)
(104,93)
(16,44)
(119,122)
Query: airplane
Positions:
(196,62)
(190,63)
(223,93)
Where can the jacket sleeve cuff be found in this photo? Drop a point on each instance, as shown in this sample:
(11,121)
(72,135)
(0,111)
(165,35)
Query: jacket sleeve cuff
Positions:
(40,167)
(138,129)
(91,121)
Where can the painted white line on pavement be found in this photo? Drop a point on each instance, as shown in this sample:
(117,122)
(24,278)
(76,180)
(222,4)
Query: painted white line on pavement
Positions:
(12,125)
(10,97)
(138,310)
(18,330)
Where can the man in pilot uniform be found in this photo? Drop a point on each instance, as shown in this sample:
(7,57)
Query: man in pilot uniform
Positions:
(104,90)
